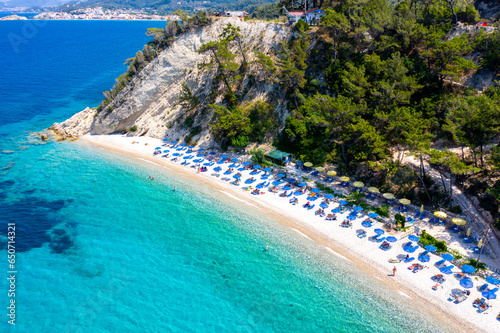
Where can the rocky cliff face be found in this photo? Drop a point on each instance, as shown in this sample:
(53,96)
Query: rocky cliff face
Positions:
(148,104)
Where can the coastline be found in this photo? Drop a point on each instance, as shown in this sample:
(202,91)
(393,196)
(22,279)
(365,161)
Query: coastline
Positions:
(340,242)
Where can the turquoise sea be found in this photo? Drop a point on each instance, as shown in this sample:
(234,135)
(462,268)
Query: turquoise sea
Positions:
(101,248)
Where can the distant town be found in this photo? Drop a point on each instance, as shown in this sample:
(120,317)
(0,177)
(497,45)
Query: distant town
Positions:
(99,13)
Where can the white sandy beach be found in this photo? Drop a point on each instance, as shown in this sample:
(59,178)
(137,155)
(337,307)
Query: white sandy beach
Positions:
(342,242)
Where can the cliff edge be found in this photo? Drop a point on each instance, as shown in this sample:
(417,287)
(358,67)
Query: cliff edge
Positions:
(149,103)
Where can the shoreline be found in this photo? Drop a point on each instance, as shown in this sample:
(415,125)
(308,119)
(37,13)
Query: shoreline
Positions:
(336,241)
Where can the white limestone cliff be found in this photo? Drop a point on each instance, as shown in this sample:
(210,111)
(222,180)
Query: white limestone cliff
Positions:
(148,103)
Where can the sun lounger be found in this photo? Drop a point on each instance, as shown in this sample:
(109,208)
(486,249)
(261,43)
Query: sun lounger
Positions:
(423,216)
(483,287)
(385,246)
(483,307)
(409,259)
(290,194)
(416,215)
(478,302)
(315,173)
(440,262)
(380,239)
(311,207)
(432,220)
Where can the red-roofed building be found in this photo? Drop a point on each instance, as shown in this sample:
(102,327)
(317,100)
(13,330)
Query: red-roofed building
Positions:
(311,16)
(314,15)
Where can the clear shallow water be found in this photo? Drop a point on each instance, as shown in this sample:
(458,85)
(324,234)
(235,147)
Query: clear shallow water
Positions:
(101,248)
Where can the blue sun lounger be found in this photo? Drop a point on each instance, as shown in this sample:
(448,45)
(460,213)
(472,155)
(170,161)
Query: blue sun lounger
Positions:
(416,215)
(440,262)
(423,216)
(409,259)
(483,287)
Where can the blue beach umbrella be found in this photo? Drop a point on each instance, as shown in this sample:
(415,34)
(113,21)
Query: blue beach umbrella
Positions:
(191,147)
(447,256)
(287,188)
(323,205)
(175,154)
(158,148)
(182,145)
(208,163)
(489,295)
(302,184)
(430,248)
(343,202)
(166,151)
(466,283)
(260,186)
(213,153)
(223,156)
(165,140)
(280,175)
(234,160)
(291,180)
(275,183)
(297,193)
(359,209)
(187,157)
(413,238)
(410,249)
(315,190)
(236,176)
(217,169)
(379,231)
(199,155)
(200,150)
(246,163)
(256,166)
(424,258)
(336,210)
(173,142)
(241,169)
(351,217)
(391,239)
(446,269)
(492,280)
(468,269)
(373,215)
(366,224)
(265,177)
(267,169)
(220,162)
(329,196)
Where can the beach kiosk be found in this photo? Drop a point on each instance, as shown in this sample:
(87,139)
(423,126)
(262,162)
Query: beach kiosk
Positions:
(278,156)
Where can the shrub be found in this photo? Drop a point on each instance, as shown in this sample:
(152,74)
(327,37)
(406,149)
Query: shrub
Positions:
(477,264)
(427,239)
(240,141)
(383,210)
(301,26)
(133,129)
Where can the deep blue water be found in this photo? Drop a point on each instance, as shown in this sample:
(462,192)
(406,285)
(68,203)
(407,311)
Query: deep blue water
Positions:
(101,248)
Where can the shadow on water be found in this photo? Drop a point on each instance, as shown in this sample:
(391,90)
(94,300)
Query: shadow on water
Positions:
(36,221)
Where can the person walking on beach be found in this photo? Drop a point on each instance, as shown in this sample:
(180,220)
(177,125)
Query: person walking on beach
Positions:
(394,271)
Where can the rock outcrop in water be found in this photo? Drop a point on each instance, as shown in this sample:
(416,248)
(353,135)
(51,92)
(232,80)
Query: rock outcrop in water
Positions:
(13,18)
(148,104)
